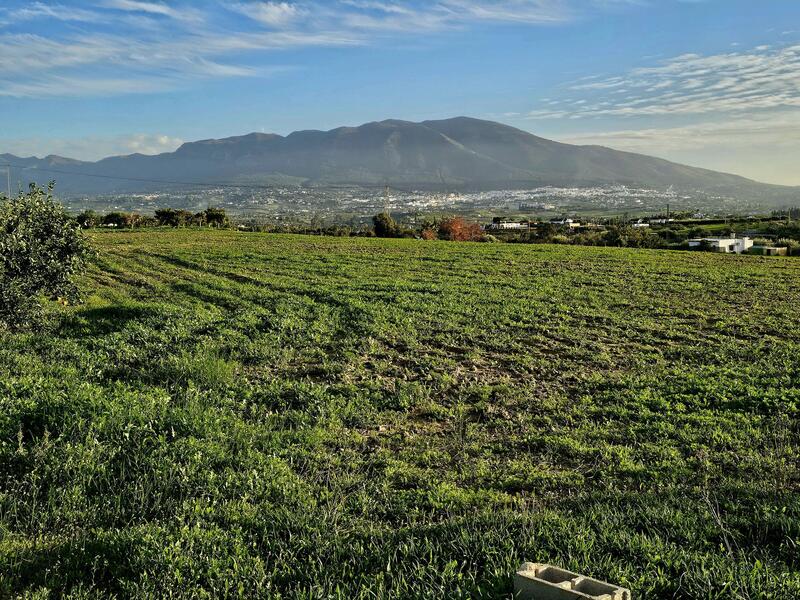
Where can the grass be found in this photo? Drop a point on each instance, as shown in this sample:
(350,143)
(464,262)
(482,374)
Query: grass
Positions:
(250,415)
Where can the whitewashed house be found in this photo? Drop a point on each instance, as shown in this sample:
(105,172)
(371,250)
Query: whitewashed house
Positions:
(727,245)
(508,225)
(565,223)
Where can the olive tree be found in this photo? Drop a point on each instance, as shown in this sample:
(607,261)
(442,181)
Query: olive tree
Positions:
(41,250)
(385,225)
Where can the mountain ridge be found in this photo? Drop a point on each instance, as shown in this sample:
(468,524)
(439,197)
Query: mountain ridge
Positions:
(461,152)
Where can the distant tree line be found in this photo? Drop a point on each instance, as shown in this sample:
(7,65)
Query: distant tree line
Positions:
(792,213)
(781,230)
(163,217)
(455,229)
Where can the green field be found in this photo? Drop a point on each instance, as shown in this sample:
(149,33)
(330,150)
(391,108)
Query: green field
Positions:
(253,415)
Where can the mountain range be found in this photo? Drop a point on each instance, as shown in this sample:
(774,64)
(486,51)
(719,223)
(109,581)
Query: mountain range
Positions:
(458,153)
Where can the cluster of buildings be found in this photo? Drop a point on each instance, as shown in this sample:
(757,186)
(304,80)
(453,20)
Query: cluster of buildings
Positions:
(562,222)
(727,245)
(735,245)
(499,224)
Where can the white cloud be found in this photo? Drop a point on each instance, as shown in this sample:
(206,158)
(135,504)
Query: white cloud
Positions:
(92,147)
(146,144)
(765,77)
(155,8)
(781,130)
(273,14)
(106,65)
(526,11)
(153,45)
(59,12)
(381,16)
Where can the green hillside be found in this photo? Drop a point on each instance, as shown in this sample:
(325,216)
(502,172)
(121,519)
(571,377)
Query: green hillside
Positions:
(252,415)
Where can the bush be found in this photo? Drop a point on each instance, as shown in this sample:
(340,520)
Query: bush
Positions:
(88,219)
(385,225)
(793,246)
(210,217)
(41,250)
(631,237)
(458,229)
(170,217)
(215,217)
(115,219)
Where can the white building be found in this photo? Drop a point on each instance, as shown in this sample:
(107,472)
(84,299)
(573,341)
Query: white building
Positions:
(508,225)
(727,245)
(565,223)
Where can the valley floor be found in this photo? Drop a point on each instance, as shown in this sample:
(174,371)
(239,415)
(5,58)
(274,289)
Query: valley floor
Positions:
(252,415)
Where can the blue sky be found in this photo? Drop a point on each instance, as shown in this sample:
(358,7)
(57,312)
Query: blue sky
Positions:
(713,83)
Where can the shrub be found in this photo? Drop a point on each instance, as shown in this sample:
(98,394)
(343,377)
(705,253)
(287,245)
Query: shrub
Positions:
(631,237)
(216,217)
(793,246)
(429,234)
(173,218)
(385,225)
(88,219)
(458,229)
(211,217)
(41,250)
(115,219)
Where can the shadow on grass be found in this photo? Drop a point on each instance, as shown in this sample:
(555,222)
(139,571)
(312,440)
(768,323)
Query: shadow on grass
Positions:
(69,564)
(93,322)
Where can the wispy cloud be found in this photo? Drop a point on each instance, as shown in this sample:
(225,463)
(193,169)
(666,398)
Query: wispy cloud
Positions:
(764,78)
(59,12)
(178,13)
(273,14)
(780,129)
(151,45)
(536,11)
(157,59)
(380,17)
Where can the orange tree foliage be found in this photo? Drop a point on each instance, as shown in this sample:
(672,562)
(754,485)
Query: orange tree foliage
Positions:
(460,230)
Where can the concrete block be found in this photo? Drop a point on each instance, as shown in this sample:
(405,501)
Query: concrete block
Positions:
(535,581)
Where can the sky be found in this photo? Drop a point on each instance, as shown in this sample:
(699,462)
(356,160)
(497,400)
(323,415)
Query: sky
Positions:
(711,83)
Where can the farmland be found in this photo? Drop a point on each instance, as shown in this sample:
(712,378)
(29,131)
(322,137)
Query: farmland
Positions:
(249,415)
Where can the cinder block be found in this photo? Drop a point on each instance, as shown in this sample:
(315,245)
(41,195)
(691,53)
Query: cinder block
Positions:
(536,581)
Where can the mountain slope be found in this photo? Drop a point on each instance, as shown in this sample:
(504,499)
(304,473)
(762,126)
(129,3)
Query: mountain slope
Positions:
(460,152)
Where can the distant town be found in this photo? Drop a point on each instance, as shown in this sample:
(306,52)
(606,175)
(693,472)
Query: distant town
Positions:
(610,216)
(354,205)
